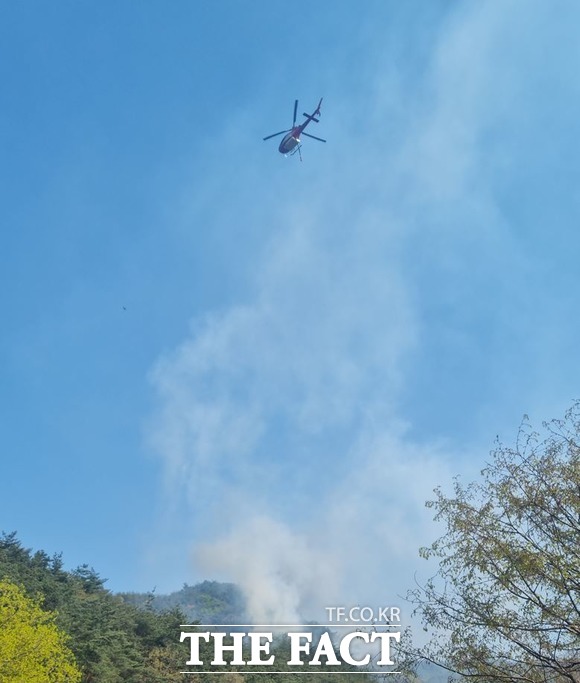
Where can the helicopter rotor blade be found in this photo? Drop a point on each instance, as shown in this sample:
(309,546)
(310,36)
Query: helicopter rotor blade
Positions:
(313,137)
(275,134)
(295,110)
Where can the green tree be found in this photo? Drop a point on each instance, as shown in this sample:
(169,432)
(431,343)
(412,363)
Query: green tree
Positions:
(32,648)
(112,640)
(505,602)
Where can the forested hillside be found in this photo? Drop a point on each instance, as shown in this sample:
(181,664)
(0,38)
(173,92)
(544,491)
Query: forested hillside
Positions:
(59,626)
(112,641)
(209,602)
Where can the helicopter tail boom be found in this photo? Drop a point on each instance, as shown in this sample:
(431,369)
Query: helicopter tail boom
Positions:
(315,113)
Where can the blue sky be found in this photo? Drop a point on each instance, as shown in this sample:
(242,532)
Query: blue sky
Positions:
(220,363)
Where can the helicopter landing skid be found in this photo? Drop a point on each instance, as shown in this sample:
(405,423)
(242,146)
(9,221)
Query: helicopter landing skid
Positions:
(293,152)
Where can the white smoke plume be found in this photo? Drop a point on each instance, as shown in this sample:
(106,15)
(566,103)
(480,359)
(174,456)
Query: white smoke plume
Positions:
(281,572)
(281,420)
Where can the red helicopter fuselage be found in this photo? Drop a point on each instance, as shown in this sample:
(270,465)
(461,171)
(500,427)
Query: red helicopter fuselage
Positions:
(291,141)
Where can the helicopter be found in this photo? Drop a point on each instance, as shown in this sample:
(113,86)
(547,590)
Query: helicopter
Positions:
(291,141)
